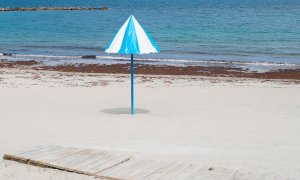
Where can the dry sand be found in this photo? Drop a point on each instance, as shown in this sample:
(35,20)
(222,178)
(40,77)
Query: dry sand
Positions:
(250,126)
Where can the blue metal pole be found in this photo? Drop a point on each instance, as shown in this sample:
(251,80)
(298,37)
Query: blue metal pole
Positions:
(132,85)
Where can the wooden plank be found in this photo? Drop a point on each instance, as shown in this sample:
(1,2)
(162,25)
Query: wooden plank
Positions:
(108,165)
(169,172)
(42,152)
(72,162)
(146,169)
(75,158)
(123,168)
(101,159)
(135,169)
(90,161)
(32,150)
(161,171)
(110,162)
(25,156)
(61,153)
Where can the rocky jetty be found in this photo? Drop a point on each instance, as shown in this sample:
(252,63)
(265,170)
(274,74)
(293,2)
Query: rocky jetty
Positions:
(53,9)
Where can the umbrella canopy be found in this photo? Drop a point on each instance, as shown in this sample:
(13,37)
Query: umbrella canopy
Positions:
(132,39)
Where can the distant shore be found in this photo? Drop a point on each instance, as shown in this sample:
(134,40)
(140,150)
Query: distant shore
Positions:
(147,69)
(53,8)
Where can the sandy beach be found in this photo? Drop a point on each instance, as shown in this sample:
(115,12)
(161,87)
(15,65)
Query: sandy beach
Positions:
(250,126)
(164,90)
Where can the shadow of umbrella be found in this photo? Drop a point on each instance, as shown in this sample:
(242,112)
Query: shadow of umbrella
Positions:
(124,111)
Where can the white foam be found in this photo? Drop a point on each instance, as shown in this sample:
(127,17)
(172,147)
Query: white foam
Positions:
(197,61)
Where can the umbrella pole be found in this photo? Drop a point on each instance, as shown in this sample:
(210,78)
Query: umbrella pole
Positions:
(132,85)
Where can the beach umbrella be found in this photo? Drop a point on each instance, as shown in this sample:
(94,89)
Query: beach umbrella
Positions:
(132,39)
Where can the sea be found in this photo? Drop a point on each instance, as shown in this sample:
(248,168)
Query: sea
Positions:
(253,34)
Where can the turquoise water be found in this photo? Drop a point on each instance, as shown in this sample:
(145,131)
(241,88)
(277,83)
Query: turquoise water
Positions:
(232,30)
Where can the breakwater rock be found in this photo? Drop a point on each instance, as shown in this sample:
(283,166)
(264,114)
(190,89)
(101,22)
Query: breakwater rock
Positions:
(53,8)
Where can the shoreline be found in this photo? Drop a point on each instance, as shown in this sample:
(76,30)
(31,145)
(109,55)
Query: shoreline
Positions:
(147,69)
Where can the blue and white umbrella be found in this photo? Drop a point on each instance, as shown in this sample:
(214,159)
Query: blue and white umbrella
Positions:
(132,39)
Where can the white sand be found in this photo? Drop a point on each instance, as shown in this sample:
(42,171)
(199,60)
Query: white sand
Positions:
(244,125)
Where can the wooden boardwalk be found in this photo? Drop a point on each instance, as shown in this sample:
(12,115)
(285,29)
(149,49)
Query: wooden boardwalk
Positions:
(103,164)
